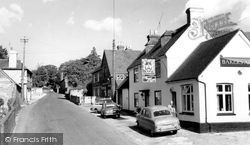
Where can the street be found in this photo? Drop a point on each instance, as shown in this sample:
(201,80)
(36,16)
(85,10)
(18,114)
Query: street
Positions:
(54,114)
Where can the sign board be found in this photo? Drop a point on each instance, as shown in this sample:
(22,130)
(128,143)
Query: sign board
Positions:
(148,79)
(120,77)
(234,62)
(148,67)
(215,26)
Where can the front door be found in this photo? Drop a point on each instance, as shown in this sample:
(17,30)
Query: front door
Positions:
(146,98)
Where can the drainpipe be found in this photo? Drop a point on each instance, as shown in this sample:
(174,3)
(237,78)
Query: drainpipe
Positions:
(205,92)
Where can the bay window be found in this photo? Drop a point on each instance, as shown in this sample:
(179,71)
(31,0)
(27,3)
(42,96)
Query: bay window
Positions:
(188,98)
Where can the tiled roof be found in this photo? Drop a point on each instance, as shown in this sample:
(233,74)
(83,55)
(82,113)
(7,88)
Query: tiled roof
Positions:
(4,63)
(123,58)
(202,56)
(159,50)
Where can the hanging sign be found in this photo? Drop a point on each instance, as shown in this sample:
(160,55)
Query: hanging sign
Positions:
(234,62)
(148,67)
(148,79)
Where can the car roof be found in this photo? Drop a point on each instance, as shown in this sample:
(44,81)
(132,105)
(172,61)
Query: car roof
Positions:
(156,107)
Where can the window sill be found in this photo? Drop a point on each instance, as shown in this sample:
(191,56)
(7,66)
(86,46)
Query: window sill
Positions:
(226,114)
(187,113)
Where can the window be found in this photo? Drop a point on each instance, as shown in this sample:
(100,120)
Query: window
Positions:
(136,73)
(224,97)
(188,98)
(158,69)
(136,100)
(157,97)
(249,96)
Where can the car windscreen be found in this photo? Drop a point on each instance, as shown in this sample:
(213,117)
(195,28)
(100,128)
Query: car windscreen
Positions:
(161,113)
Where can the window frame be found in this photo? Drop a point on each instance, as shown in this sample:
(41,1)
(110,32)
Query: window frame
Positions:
(222,91)
(160,98)
(136,75)
(136,99)
(249,97)
(158,69)
(187,93)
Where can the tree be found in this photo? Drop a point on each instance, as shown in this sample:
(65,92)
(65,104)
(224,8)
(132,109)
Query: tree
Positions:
(78,71)
(3,52)
(45,76)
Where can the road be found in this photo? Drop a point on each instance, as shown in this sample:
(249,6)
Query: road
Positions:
(54,114)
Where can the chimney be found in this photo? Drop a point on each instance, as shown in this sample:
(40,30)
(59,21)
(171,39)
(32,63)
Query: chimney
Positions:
(12,58)
(194,13)
(153,38)
(120,46)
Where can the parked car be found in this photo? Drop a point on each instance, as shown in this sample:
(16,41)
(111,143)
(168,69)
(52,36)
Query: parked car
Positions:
(98,105)
(110,109)
(157,119)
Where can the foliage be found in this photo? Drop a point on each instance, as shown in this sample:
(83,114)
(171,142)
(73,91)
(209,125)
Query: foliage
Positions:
(79,71)
(3,52)
(45,76)
(1,101)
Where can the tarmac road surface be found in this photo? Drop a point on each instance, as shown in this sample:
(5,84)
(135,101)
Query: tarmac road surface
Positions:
(54,114)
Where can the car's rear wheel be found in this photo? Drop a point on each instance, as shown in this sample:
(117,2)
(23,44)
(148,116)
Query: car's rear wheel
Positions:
(152,133)
(175,132)
(137,124)
(104,116)
(95,110)
(118,116)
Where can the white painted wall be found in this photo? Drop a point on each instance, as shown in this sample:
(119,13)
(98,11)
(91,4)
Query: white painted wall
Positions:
(238,47)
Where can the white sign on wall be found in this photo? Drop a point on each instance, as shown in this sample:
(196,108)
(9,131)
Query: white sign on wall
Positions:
(148,67)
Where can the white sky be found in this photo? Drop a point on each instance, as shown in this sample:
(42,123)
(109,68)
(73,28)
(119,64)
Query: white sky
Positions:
(63,30)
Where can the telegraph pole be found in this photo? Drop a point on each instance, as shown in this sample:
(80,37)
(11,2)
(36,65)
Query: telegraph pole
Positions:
(22,79)
(113,56)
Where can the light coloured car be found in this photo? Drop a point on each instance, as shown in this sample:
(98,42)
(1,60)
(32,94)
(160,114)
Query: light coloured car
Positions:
(110,109)
(98,105)
(157,119)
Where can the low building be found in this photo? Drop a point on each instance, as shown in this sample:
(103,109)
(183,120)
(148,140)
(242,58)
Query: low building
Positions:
(102,76)
(13,67)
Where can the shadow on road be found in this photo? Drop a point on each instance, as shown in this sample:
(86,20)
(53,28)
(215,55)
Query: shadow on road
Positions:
(113,117)
(147,133)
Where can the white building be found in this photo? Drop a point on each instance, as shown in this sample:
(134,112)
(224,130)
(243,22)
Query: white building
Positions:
(208,79)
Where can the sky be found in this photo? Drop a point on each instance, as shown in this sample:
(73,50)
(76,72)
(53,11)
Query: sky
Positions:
(63,30)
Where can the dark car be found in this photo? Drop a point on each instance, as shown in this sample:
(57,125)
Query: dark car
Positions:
(157,119)
(110,109)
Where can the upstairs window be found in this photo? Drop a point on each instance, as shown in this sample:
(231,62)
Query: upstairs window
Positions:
(249,96)
(158,69)
(224,98)
(136,75)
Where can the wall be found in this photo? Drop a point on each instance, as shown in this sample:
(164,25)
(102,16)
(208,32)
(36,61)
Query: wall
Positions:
(238,47)
(7,89)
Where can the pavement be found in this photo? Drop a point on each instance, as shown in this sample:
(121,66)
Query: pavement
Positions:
(126,125)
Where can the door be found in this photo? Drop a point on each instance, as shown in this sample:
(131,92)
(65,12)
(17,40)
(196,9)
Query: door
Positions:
(146,99)
(174,100)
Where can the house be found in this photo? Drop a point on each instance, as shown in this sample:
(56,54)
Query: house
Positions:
(212,86)
(13,67)
(168,51)
(102,76)
(205,76)
(9,88)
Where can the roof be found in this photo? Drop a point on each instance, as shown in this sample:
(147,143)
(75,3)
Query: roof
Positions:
(4,64)
(8,77)
(201,57)
(124,84)
(123,58)
(158,50)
